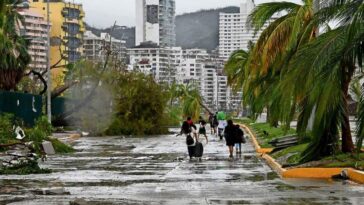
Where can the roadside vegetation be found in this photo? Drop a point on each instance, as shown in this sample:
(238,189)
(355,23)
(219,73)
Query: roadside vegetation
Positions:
(295,73)
(41,132)
(291,156)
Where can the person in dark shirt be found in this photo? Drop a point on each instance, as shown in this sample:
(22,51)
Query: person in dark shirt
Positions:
(202,129)
(239,139)
(230,136)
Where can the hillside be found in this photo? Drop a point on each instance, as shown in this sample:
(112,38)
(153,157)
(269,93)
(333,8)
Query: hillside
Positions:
(193,30)
(200,29)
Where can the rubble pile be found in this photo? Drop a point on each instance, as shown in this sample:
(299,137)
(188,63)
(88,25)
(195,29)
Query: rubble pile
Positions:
(18,154)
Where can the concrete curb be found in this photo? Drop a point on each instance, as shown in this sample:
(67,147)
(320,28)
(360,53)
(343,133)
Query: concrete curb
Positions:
(305,173)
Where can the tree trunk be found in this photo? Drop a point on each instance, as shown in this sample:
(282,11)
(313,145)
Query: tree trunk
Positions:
(205,107)
(60,90)
(347,140)
(10,78)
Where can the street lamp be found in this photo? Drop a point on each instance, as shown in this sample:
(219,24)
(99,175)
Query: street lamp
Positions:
(49,75)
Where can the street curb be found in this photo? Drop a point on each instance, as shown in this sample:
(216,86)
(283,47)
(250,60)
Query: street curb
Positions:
(356,176)
(306,173)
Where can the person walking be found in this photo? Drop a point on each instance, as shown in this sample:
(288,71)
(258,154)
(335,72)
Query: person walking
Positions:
(187,131)
(239,139)
(221,127)
(211,121)
(202,129)
(230,137)
(215,123)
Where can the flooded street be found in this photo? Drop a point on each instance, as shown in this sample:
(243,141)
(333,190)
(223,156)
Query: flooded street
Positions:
(156,170)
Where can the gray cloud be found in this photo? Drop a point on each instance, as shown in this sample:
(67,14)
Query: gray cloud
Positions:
(103,13)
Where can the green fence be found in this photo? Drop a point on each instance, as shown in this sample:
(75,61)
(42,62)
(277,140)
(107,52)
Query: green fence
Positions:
(58,106)
(23,106)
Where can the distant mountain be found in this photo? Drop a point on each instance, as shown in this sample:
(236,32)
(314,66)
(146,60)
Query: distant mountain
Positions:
(193,30)
(127,33)
(200,29)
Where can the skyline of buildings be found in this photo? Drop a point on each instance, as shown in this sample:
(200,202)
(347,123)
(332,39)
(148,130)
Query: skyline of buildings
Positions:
(155,53)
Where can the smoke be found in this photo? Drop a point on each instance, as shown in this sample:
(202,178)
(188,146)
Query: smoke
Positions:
(96,114)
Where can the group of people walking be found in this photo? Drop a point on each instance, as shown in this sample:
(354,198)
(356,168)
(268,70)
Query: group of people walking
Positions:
(233,135)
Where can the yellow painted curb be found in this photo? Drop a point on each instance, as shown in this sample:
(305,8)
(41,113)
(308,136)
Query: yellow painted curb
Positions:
(274,164)
(308,173)
(265,150)
(356,176)
(312,173)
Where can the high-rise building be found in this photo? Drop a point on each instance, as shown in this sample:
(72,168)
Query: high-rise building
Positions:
(155,22)
(234,34)
(36,32)
(67,20)
(194,67)
(95,47)
(161,62)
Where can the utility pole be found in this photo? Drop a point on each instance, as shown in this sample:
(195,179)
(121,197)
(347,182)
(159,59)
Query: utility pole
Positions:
(49,75)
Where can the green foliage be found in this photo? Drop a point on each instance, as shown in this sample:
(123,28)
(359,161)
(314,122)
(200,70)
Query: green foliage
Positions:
(292,72)
(293,152)
(60,147)
(273,133)
(43,124)
(39,133)
(13,48)
(6,128)
(246,121)
(140,106)
(24,169)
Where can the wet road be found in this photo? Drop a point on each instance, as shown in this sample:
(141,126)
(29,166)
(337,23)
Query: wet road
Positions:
(155,170)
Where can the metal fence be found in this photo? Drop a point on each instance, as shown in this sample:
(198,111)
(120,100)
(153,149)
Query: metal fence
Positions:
(26,107)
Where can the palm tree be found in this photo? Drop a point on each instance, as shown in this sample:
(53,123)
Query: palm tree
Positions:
(13,48)
(270,57)
(329,63)
(235,69)
(190,99)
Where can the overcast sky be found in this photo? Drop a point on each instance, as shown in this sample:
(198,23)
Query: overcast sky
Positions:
(103,13)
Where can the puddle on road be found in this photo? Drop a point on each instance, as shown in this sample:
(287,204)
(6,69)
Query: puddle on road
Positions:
(114,170)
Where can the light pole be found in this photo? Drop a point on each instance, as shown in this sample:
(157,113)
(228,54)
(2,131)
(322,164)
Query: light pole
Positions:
(49,75)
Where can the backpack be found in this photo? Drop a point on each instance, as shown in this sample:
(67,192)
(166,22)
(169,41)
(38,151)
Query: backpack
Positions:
(189,140)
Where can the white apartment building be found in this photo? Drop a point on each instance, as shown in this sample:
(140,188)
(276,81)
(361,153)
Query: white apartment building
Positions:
(161,62)
(155,22)
(189,66)
(234,33)
(35,30)
(95,47)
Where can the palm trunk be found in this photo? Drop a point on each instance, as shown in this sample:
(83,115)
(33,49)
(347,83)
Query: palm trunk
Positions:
(9,79)
(347,140)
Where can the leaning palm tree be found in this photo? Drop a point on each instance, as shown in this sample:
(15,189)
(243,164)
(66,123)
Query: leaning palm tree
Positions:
(235,69)
(13,48)
(327,66)
(270,57)
(190,99)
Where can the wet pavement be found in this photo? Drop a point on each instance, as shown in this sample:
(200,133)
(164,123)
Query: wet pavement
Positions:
(156,170)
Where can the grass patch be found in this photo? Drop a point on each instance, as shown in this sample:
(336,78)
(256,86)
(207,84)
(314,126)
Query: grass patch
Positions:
(24,169)
(293,152)
(60,147)
(345,160)
(246,121)
(272,133)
